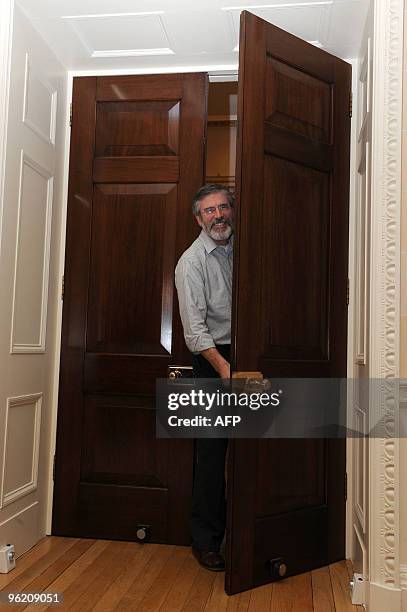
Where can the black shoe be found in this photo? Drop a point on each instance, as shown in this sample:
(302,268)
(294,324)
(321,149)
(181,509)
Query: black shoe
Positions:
(209,559)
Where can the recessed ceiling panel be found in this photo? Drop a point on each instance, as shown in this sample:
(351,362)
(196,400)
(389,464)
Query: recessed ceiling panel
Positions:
(202,32)
(115,35)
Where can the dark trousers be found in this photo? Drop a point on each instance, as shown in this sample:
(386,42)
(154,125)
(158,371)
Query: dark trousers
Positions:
(208,515)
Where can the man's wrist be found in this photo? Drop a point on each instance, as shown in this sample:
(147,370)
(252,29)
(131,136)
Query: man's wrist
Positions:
(225,370)
(217,361)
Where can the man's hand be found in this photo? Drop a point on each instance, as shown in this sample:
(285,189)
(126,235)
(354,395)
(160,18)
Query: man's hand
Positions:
(218,362)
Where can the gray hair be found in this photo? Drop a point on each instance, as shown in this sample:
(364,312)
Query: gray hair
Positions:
(209,189)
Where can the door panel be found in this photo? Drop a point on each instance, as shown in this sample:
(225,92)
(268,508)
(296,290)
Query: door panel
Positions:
(137,152)
(297,102)
(137,128)
(134,211)
(289,308)
(298,194)
(289,493)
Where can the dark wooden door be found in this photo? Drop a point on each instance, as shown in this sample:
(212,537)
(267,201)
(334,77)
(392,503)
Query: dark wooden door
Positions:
(286,497)
(137,158)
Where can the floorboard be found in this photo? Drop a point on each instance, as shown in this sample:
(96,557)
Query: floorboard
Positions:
(135,562)
(322,595)
(102,576)
(146,577)
(260,598)
(340,587)
(293,593)
(200,591)
(178,593)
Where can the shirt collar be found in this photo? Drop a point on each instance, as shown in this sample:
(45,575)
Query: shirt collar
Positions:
(210,245)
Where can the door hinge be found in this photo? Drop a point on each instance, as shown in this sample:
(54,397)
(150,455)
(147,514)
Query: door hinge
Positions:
(53,468)
(347,292)
(70,115)
(63,287)
(350,104)
(346,486)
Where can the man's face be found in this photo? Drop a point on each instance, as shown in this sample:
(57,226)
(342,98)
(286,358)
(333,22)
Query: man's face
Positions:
(216,217)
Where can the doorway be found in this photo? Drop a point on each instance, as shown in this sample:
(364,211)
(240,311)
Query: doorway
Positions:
(101,406)
(221,133)
(137,158)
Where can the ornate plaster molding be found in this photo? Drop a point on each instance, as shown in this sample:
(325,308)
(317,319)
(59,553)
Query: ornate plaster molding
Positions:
(384,562)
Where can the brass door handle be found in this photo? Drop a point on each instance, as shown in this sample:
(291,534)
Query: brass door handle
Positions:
(175,372)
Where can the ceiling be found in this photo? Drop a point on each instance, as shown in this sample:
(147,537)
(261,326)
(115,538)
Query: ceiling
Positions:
(153,35)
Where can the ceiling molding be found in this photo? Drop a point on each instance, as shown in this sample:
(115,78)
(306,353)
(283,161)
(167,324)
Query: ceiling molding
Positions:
(131,52)
(109,15)
(276,6)
(213,70)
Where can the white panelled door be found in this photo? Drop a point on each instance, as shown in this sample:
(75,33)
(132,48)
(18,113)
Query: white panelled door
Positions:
(28,283)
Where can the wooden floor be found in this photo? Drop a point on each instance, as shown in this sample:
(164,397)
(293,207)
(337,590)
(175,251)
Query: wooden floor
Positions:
(105,575)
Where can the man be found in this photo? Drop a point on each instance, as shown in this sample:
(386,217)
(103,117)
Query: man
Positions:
(203,278)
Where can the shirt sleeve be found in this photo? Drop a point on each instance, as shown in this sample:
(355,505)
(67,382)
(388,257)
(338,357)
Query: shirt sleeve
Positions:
(192,306)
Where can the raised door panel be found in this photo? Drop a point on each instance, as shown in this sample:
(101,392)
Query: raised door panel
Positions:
(292,489)
(129,480)
(130,282)
(137,128)
(297,326)
(297,101)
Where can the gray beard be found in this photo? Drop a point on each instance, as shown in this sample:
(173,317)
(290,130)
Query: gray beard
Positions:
(225,235)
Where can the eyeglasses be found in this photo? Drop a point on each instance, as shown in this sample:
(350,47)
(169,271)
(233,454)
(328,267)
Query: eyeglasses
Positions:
(212,209)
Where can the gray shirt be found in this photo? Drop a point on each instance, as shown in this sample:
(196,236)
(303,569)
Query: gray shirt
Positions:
(203,278)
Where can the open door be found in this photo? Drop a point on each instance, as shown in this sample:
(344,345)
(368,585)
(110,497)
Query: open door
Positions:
(286,498)
(136,161)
